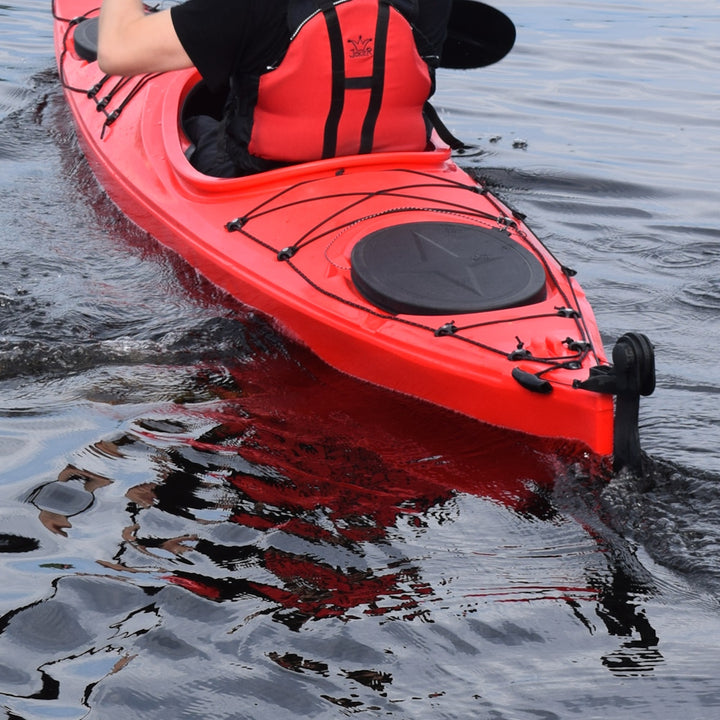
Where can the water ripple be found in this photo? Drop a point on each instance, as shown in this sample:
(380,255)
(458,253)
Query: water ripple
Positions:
(704,295)
(679,522)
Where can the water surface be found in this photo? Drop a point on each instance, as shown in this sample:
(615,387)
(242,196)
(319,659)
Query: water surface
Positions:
(241,532)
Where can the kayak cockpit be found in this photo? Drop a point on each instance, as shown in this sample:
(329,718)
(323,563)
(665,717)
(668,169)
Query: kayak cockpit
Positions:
(187,91)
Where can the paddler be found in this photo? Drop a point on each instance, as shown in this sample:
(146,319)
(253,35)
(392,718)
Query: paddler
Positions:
(354,79)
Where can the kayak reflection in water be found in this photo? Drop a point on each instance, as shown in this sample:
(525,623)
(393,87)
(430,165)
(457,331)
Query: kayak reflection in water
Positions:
(315,496)
(302,498)
(280,495)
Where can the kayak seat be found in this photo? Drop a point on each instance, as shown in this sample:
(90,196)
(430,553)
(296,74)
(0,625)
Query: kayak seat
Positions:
(201,121)
(202,101)
(440,268)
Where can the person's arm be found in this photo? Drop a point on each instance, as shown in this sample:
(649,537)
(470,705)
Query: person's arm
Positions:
(131,42)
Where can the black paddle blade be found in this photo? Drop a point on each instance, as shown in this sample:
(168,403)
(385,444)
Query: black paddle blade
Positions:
(478,35)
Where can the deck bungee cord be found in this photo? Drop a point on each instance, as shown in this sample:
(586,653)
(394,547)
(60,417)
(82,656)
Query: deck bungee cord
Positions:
(89,43)
(583,346)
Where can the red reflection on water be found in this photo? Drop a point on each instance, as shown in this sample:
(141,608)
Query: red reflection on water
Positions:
(323,465)
(336,462)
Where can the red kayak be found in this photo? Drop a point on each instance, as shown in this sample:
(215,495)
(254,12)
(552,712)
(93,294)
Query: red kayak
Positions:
(397,268)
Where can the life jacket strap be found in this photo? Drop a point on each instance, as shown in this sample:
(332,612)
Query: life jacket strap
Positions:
(454,143)
(337,96)
(378,79)
(341,84)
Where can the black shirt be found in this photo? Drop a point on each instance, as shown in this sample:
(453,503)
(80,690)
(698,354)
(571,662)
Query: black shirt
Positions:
(220,35)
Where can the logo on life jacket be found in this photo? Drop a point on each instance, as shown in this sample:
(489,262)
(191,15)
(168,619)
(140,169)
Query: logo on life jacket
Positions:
(362,47)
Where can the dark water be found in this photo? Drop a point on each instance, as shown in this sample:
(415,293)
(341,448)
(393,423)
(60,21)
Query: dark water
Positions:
(243,533)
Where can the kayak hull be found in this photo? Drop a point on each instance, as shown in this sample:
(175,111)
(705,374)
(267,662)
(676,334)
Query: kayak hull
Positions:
(282,242)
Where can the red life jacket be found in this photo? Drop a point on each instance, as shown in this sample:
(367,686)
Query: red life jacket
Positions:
(352,81)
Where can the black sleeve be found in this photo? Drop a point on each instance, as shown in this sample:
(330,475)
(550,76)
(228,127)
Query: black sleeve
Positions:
(220,34)
(209,31)
(432,23)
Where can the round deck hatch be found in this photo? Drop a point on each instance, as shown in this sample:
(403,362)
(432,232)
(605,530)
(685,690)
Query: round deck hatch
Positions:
(86,39)
(445,268)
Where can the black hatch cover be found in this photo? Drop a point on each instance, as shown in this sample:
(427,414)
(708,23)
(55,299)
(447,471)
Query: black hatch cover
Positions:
(86,39)
(439,268)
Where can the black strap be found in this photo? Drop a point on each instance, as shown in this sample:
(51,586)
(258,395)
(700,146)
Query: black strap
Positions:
(367,133)
(445,135)
(337,98)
